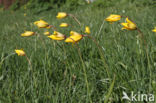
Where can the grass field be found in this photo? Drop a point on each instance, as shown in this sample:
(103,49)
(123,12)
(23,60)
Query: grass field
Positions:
(60,73)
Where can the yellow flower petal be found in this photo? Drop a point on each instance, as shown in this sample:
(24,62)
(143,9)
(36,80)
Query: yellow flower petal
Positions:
(113,18)
(125,25)
(25,14)
(61,15)
(27,33)
(154,30)
(20,52)
(75,37)
(74,33)
(57,36)
(47,33)
(54,37)
(129,25)
(42,24)
(87,30)
(64,25)
(128,21)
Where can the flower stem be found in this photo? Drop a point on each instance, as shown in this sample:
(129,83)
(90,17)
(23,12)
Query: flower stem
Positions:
(6,58)
(30,73)
(53,27)
(141,35)
(85,75)
(146,50)
(46,55)
(42,41)
(101,53)
(29,62)
(75,19)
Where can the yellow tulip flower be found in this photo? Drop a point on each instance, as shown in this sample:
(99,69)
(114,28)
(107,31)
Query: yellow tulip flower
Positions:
(57,36)
(88,1)
(27,33)
(73,33)
(47,33)
(61,15)
(42,24)
(87,30)
(154,30)
(113,18)
(64,25)
(129,25)
(25,14)
(75,37)
(20,52)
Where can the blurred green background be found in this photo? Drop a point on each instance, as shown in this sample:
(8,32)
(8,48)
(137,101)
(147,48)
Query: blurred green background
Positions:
(41,5)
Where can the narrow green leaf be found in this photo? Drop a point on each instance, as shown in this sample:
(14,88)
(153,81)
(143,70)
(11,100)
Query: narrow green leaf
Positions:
(110,90)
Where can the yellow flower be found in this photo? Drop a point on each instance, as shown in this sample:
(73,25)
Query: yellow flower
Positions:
(42,24)
(47,33)
(64,25)
(73,33)
(113,18)
(154,30)
(1,9)
(129,25)
(75,37)
(25,14)
(28,33)
(88,1)
(20,52)
(57,36)
(87,30)
(61,15)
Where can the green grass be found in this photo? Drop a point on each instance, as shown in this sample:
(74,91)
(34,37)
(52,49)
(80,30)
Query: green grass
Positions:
(58,72)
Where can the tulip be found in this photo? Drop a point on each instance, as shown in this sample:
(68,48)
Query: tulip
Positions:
(47,33)
(87,30)
(129,25)
(57,36)
(75,37)
(20,52)
(61,15)
(113,18)
(25,14)
(154,30)
(42,24)
(64,25)
(27,33)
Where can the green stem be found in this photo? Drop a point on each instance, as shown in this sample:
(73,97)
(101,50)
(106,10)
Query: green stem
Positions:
(85,75)
(54,28)
(31,74)
(42,41)
(101,53)
(29,62)
(46,55)
(146,50)
(141,35)
(75,19)
(67,64)
(6,58)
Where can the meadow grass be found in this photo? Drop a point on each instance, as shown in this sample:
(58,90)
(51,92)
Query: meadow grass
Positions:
(58,71)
